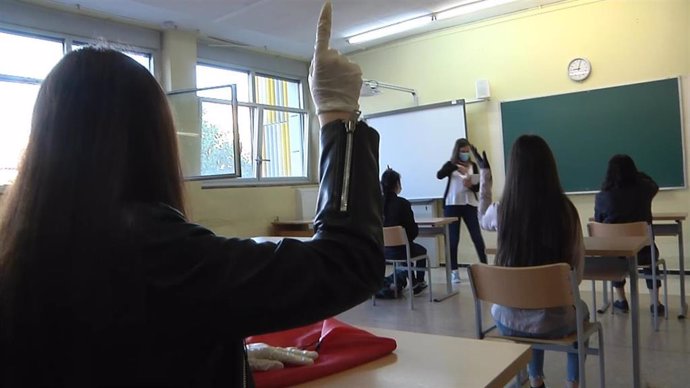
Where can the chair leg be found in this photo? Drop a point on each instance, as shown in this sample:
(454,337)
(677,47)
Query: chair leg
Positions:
(428,270)
(594,300)
(665,290)
(409,284)
(602,360)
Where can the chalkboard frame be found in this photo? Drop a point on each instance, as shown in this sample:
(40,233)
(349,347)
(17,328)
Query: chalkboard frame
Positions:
(517,115)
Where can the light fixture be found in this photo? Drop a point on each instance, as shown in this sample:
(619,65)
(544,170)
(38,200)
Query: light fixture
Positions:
(466,7)
(469,7)
(390,30)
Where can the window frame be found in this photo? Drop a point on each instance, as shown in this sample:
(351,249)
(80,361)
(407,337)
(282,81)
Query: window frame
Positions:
(259,136)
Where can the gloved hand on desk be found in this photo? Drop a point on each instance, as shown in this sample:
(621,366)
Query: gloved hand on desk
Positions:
(263,357)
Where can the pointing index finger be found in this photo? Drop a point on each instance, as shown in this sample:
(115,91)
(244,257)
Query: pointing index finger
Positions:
(323,28)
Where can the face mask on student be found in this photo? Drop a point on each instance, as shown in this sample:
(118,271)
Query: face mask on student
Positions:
(464,156)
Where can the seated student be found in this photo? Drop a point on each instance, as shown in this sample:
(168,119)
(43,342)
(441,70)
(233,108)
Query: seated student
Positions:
(398,211)
(537,225)
(626,196)
(103,280)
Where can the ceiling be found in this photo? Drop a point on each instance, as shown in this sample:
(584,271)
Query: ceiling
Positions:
(281,26)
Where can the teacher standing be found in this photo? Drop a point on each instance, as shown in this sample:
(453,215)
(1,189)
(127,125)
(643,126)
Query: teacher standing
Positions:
(460,200)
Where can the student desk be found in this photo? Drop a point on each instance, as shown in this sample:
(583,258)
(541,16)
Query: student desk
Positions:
(425,360)
(670,224)
(627,247)
(428,227)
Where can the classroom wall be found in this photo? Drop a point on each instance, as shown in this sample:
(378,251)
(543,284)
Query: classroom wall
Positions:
(526,55)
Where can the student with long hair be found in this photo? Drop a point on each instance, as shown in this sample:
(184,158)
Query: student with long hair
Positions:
(460,200)
(398,211)
(537,225)
(626,196)
(104,282)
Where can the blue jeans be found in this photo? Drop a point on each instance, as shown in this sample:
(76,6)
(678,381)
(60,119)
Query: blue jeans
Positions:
(535,368)
(397,253)
(467,213)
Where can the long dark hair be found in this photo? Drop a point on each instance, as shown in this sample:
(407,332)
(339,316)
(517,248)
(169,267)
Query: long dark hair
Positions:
(621,172)
(462,142)
(537,222)
(390,180)
(102,137)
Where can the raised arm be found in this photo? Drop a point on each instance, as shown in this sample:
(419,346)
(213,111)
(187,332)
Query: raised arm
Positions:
(487,211)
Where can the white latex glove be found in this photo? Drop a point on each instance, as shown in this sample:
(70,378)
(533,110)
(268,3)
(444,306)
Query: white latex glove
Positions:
(265,357)
(334,81)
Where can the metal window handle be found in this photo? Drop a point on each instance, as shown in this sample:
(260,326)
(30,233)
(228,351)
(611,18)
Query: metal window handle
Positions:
(258,160)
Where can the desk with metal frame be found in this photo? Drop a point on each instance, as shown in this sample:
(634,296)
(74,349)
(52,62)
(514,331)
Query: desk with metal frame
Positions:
(439,226)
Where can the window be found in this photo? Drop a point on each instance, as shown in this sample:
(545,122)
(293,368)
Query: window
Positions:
(26,61)
(272,126)
(144,59)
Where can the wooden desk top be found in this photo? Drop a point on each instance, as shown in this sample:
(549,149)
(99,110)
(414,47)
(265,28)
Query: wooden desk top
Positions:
(607,246)
(425,360)
(664,216)
(436,221)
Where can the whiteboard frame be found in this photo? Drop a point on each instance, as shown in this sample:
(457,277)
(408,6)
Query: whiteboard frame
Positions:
(449,103)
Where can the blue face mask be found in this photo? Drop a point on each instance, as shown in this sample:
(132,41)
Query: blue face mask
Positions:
(464,156)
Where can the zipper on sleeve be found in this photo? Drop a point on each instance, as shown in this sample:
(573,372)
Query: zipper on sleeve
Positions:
(350,126)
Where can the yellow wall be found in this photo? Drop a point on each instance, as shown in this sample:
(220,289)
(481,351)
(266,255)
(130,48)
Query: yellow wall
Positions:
(526,55)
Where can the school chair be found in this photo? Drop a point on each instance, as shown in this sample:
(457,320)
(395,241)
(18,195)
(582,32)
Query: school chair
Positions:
(538,287)
(395,236)
(597,229)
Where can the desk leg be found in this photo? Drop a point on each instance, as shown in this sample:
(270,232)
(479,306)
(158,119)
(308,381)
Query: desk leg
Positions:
(449,284)
(681,269)
(635,321)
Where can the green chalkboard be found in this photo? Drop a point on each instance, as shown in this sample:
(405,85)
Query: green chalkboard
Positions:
(585,129)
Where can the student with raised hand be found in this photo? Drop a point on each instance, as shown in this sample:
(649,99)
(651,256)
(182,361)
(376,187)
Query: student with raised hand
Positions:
(626,196)
(104,282)
(537,225)
(398,211)
(460,200)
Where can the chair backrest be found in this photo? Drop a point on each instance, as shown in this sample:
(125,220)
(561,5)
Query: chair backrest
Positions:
(535,287)
(597,229)
(394,236)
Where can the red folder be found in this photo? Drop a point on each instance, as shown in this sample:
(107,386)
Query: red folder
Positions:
(340,347)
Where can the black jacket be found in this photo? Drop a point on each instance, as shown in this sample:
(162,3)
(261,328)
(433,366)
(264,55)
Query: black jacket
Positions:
(448,168)
(176,301)
(626,204)
(398,211)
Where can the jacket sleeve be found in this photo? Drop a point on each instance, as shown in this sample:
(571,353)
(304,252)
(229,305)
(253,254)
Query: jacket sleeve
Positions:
(649,183)
(446,170)
(598,214)
(578,249)
(474,188)
(239,287)
(411,227)
(487,212)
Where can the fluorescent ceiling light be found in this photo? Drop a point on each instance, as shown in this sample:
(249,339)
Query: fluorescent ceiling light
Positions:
(390,30)
(470,7)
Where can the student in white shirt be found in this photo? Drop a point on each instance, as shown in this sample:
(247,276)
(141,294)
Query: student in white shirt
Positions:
(537,225)
(460,200)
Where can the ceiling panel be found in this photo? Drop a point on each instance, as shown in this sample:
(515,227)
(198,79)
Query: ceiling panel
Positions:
(281,26)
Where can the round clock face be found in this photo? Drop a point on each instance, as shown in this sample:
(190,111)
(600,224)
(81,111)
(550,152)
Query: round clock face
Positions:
(579,69)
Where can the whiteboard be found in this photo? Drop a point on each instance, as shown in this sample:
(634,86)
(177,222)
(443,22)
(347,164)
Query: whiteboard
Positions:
(417,141)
